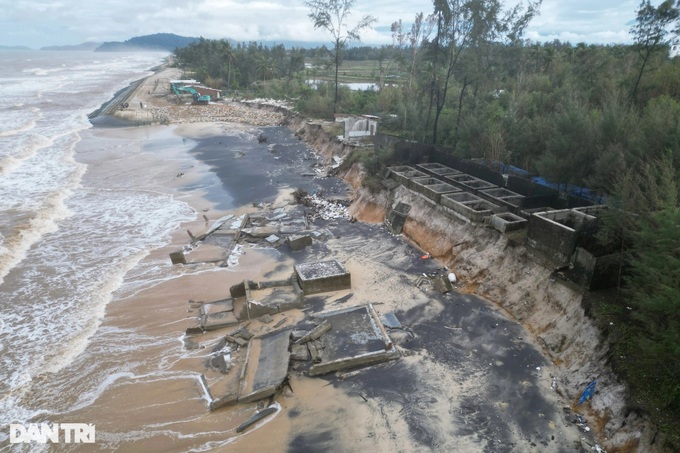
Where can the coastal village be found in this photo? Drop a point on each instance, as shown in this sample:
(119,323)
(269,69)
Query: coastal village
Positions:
(476,276)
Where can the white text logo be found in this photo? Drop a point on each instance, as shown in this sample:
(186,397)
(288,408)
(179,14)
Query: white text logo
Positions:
(42,433)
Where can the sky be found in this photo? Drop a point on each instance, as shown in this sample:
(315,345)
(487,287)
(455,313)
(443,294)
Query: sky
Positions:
(39,23)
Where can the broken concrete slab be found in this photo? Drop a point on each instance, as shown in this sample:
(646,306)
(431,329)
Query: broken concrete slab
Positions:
(216,225)
(266,366)
(269,301)
(390,321)
(216,315)
(273,239)
(261,232)
(226,400)
(322,276)
(299,352)
(356,338)
(218,321)
(316,333)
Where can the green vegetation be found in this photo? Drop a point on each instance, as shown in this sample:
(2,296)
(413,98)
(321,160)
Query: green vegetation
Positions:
(604,117)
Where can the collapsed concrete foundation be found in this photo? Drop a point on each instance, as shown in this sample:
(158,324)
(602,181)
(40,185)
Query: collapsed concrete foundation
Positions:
(322,277)
(356,338)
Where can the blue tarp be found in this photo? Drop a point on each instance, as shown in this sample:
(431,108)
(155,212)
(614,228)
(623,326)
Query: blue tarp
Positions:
(588,392)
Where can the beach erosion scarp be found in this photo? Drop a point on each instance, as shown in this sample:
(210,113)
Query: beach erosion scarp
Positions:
(457,246)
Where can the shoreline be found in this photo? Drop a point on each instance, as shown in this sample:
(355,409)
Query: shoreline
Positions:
(160,311)
(189,114)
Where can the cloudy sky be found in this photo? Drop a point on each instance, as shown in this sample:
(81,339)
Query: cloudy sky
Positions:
(38,23)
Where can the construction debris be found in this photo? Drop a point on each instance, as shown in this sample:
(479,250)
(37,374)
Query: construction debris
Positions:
(256,418)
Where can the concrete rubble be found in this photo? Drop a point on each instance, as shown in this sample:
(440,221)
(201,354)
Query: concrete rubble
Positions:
(267,227)
(247,368)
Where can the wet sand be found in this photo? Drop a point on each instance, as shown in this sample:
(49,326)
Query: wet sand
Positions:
(469,379)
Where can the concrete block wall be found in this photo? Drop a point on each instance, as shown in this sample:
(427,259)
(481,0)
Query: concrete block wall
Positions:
(468,183)
(502,197)
(404,174)
(506,222)
(433,188)
(469,206)
(556,233)
(437,169)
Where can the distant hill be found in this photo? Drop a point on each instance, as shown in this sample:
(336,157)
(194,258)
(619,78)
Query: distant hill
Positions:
(15,48)
(157,42)
(84,46)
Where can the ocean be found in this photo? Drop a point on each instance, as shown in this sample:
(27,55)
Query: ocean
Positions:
(76,215)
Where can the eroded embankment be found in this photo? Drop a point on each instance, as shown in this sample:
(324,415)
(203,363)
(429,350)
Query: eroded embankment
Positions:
(502,269)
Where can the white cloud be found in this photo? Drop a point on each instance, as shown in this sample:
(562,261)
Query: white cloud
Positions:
(39,23)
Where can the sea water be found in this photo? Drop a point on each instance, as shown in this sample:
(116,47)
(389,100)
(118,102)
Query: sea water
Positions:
(71,227)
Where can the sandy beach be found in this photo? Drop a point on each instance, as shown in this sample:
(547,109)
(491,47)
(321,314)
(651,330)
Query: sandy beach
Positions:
(468,378)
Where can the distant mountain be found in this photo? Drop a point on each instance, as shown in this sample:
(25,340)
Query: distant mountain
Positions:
(157,42)
(15,48)
(84,46)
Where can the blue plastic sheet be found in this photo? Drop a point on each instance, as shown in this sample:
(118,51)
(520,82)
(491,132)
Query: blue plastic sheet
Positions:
(588,392)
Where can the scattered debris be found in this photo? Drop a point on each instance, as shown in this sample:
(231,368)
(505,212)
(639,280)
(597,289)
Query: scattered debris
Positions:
(588,392)
(272,239)
(581,422)
(326,209)
(256,418)
(316,333)
(298,243)
(390,321)
(266,319)
(299,352)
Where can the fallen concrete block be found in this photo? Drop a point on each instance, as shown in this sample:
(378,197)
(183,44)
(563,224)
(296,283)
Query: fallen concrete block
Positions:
(236,340)
(295,335)
(178,257)
(226,400)
(299,352)
(298,243)
(316,333)
(322,277)
(238,290)
(314,351)
(442,284)
(266,318)
(244,333)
